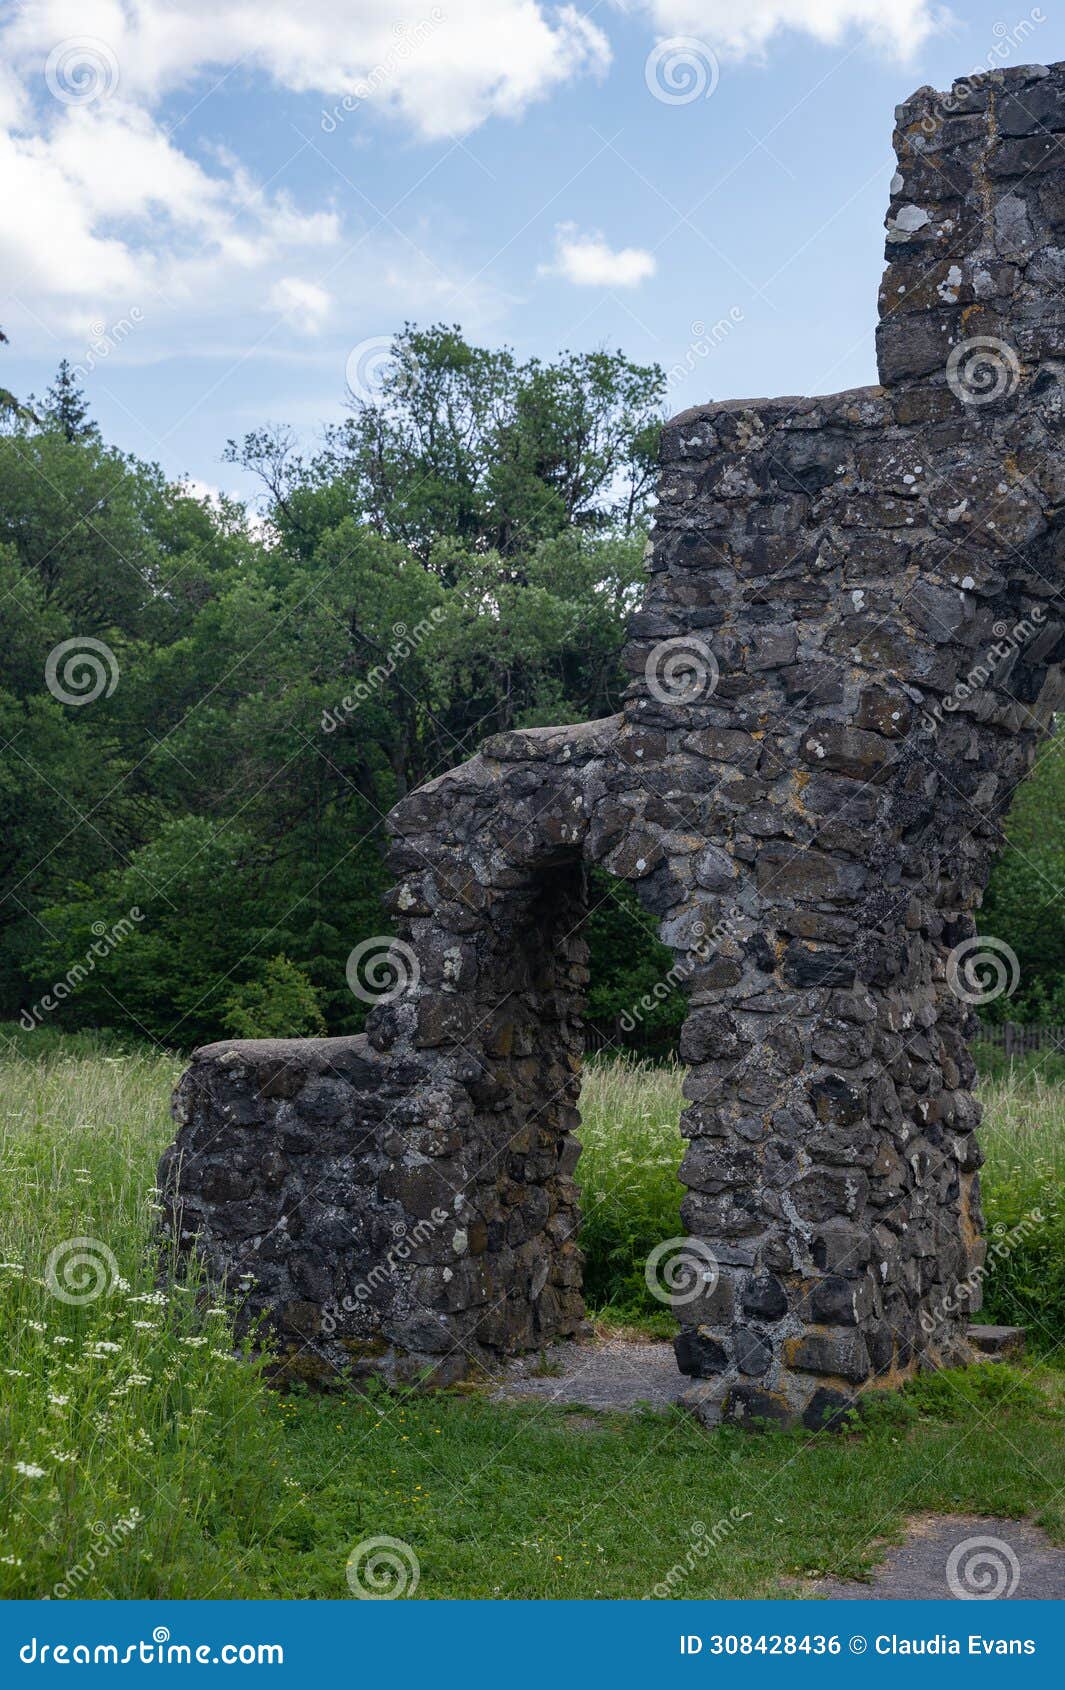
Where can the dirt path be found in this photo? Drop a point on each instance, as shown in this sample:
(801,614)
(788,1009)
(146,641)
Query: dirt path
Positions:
(611,1373)
(961,1556)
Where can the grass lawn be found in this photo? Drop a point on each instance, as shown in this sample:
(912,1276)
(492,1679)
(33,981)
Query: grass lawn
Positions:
(138,1458)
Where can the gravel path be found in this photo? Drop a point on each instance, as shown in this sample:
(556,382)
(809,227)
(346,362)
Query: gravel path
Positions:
(945,1556)
(605,1373)
(961,1555)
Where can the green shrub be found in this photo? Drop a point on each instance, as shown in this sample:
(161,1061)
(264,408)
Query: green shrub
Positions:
(280,1004)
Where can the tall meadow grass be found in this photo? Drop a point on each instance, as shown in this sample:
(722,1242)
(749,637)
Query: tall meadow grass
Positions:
(133,1442)
(140,1453)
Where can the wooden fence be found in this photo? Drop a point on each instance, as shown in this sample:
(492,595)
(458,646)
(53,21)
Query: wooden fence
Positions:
(1007,1036)
(1015,1040)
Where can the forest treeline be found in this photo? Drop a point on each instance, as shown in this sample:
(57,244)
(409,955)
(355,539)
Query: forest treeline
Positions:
(206,712)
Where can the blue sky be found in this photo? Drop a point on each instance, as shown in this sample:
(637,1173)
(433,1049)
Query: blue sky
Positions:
(220,212)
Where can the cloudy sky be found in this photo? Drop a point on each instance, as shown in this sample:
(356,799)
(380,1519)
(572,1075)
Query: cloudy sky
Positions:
(221,209)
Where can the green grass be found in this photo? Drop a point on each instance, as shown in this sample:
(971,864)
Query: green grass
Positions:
(168,1469)
(631,1197)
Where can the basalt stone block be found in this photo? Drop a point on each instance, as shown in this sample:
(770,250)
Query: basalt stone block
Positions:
(837,1352)
(699,1354)
(765,1298)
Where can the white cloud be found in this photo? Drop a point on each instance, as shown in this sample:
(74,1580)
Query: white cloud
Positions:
(106,207)
(304,304)
(445,68)
(743,28)
(587,261)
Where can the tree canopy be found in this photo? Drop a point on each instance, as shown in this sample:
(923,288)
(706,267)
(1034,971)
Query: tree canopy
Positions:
(205,715)
(459,557)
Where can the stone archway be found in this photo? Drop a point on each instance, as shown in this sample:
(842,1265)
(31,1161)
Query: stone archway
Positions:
(847,651)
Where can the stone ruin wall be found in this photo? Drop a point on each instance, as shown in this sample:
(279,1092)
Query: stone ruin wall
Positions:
(806,786)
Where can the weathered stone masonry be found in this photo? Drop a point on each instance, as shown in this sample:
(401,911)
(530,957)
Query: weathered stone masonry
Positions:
(846,654)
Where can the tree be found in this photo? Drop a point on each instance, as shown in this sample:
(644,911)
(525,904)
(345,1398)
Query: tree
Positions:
(66,407)
(466,444)
(279,688)
(1025,900)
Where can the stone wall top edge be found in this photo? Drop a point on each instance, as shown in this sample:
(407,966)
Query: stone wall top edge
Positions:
(309,1052)
(784,404)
